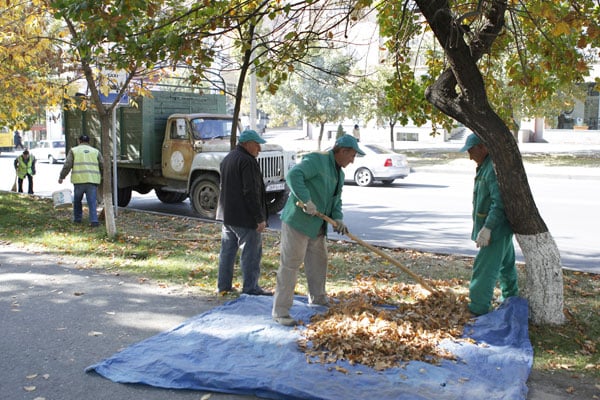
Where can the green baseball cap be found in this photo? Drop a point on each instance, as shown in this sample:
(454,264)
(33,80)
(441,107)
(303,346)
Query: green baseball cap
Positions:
(472,140)
(250,135)
(349,141)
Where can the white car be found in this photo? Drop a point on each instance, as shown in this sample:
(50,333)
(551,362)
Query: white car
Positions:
(378,164)
(52,151)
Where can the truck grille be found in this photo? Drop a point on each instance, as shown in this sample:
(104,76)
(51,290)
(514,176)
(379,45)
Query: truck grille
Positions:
(271,167)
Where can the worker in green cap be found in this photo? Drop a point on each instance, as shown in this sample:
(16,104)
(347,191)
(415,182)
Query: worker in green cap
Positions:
(491,232)
(315,188)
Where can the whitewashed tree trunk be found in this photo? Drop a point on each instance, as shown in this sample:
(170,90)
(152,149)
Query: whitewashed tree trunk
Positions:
(109,214)
(544,278)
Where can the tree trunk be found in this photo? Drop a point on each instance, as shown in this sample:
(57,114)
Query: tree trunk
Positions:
(107,184)
(392,124)
(104,114)
(239,93)
(470,106)
(544,281)
(321,129)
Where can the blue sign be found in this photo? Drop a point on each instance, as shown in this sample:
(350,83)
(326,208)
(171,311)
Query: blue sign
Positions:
(111,98)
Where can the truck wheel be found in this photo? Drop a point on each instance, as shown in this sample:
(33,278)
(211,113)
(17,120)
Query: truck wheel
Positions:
(276,201)
(204,196)
(123,196)
(170,197)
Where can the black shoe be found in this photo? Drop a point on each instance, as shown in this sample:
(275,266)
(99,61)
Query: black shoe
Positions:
(95,224)
(259,292)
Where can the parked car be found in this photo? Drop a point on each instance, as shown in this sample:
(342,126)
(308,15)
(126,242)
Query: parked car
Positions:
(378,164)
(49,150)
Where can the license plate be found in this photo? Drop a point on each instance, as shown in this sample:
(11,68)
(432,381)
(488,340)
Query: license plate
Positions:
(275,187)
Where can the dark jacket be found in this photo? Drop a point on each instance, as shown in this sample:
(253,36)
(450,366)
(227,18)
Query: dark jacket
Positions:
(242,201)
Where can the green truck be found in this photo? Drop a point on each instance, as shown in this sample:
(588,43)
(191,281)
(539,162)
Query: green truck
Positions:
(173,143)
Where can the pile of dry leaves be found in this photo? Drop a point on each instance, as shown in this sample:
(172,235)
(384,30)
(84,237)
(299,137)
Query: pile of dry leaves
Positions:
(384,326)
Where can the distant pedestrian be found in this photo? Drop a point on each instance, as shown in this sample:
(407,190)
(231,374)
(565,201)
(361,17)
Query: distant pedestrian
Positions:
(86,175)
(25,167)
(18,141)
(243,210)
(492,233)
(356,132)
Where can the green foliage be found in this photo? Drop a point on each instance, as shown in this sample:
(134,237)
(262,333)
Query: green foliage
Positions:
(545,48)
(319,90)
(28,58)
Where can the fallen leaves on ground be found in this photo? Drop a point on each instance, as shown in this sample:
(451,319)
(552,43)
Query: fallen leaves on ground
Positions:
(384,326)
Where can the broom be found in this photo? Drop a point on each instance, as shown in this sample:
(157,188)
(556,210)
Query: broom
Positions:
(376,250)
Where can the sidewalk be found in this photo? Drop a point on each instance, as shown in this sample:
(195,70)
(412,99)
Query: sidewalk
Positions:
(57,318)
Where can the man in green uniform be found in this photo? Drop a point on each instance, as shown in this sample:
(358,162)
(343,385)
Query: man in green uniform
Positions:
(492,233)
(317,183)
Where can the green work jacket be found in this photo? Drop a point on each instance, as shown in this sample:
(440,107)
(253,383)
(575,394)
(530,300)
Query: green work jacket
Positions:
(488,208)
(316,178)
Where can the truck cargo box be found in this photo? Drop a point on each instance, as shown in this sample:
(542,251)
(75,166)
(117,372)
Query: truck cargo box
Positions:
(141,125)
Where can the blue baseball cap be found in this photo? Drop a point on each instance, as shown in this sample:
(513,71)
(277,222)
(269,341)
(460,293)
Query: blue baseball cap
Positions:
(472,140)
(349,141)
(250,135)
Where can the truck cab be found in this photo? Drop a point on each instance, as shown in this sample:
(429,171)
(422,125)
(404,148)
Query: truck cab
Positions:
(193,148)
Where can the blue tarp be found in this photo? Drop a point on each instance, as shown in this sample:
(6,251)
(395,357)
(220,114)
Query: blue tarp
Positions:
(237,348)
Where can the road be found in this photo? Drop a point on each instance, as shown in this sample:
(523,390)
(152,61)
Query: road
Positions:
(430,210)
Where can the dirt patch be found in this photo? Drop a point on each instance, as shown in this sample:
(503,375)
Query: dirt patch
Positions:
(558,385)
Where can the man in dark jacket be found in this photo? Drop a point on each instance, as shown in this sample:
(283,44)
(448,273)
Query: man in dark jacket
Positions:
(243,210)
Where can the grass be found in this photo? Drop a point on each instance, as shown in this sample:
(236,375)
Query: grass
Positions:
(581,159)
(184,251)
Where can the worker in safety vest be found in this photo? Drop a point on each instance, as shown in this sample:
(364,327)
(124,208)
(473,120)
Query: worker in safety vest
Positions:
(85,164)
(25,167)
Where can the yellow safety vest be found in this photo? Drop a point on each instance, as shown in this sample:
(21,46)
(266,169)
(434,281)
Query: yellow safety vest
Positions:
(24,167)
(85,165)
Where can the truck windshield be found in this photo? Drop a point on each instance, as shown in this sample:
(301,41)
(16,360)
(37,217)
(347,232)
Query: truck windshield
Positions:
(211,128)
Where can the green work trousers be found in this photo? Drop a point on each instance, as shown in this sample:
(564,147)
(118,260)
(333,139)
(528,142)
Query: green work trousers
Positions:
(494,262)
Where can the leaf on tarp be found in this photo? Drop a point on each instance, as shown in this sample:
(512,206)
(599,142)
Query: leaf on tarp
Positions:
(384,326)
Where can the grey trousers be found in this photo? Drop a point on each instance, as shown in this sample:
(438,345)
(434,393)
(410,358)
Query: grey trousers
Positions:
(297,248)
